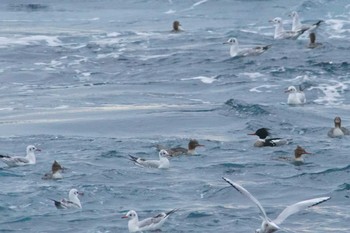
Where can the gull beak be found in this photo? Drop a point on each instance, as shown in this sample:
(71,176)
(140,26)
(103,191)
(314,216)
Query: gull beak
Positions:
(37,149)
(81,193)
(286,91)
(125,216)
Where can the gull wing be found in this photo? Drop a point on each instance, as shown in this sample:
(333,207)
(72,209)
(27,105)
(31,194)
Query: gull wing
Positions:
(247,194)
(292,209)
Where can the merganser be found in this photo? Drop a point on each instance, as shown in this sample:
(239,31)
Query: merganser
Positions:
(263,133)
(295,97)
(148,224)
(235,51)
(268,225)
(280,33)
(55,173)
(72,202)
(338,131)
(192,145)
(163,161)
(20,161)
(176,26)
(313,44)
(298,152)
(296,25)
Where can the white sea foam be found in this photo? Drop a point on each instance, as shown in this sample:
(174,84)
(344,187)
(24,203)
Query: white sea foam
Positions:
(30,40)
(170,12)
(203,79)
(268,87)
(252,75)
(339,28)
(332,93)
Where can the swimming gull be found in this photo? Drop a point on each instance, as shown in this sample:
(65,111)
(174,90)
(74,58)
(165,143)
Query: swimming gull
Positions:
(13,161)
(163,161)
(280,33)
(235,51)
(72,202)
(297,25)
(295,96)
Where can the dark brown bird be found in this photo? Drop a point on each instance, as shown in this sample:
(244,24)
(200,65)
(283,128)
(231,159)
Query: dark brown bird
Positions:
(192,145)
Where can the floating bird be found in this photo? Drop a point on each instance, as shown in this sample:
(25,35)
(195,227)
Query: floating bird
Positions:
(72,202)
(298,153)
(148,224)
(263,133)
(268,225)
(55,172)
(280,33)
(176,26)
(338,131)
(163,161)
(235,51)
(297,25)
(295,97)
(192,145)
(313,44)
(13,161)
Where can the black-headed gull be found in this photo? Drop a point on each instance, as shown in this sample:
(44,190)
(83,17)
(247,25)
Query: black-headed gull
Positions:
(235,51)
(176,26)
(295,96)
(280,33)
(163,161)
(263,133)
(338,130)
(72,202)
(297,25)
(55,173)
(148,224)
(13,161)
(190,150)
(268,225)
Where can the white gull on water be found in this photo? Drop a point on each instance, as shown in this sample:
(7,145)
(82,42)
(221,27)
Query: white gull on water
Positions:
(269,226)
(280,33)
(13,161)
(72,202)
(235,51)
(163,161)
(148,224)
(297,25)
(295,97)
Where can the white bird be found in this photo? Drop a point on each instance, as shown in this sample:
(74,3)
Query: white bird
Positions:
(163,161)
(338,130)
(295,96)
(55,173)
(235,51)
(269,226)
(72,202)
(148,224)
(297,25)
(13,161)
(280,33)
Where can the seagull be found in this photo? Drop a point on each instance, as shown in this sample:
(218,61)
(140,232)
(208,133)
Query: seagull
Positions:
(192,145)
(313,44)
(176,26)
(295,97)
(13,161)
(235,51)
(280,33)
(268,225)
(263,133)
(148,224)
(338,131)
(55,172)
(163,161)
(296,25)
(72,202)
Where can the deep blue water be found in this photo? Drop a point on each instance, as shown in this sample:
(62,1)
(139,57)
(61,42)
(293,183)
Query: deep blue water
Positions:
(90,82)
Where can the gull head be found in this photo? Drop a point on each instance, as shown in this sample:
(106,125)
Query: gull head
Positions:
(163,153)
(291,89)
(276,20)
(31,149)
(267,227)
(293,14)
(73,193)
(130,215)
(232,41)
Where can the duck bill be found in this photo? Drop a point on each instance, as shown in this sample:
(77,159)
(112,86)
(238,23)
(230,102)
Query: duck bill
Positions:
(307,153)
(199,145)
(253,134)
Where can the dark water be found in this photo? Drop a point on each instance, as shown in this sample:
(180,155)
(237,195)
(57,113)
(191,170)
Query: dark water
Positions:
(90,82)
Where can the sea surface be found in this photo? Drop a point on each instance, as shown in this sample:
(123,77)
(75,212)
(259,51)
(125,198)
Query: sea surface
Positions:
(91,81)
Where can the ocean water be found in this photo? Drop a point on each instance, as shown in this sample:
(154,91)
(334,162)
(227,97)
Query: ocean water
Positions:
(89,82)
